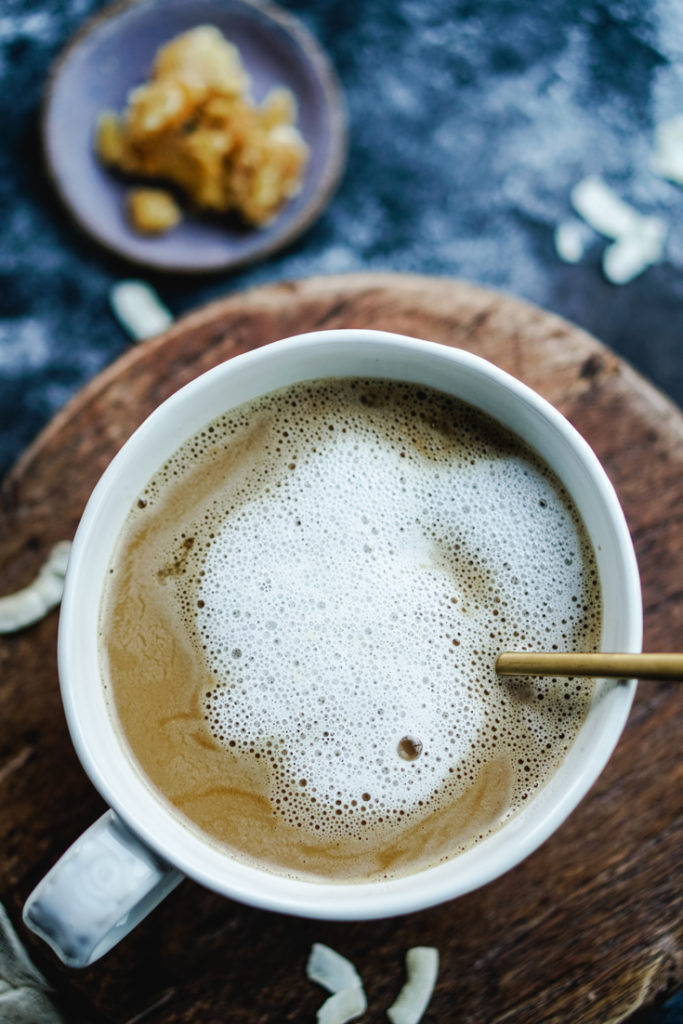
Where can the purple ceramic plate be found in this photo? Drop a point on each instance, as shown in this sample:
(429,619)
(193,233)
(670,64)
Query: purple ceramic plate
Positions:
(114,52)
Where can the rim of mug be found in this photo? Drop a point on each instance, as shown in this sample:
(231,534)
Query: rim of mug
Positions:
(161,827)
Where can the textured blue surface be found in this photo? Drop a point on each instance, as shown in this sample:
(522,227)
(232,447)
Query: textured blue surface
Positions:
(470,123)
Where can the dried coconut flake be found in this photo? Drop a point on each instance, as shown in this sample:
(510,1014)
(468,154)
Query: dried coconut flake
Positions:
(334,972)
(633,253)
(638,241)
(342,1006)
(42,595)
(422,967)
(598,205)
(572,238)
(139,309)
(667,157)
(330,969)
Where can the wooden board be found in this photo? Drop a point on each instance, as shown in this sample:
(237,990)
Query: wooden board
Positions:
(587,929)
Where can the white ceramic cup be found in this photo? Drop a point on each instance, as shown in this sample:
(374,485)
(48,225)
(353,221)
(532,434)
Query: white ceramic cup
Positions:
(127,862)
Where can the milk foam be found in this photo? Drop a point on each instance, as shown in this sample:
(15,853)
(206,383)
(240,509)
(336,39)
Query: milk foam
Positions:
(354,590)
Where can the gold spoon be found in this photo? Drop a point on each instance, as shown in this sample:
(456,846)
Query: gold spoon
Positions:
(599,663)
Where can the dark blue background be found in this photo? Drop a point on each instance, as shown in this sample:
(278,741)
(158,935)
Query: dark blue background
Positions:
(470,123)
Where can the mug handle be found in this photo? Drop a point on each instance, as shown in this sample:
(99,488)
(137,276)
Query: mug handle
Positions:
(97,892)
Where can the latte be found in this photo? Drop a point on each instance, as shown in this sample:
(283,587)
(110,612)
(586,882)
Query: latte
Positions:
(302,616)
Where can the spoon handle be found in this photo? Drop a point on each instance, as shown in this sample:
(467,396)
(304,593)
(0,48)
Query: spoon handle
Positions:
(620,666)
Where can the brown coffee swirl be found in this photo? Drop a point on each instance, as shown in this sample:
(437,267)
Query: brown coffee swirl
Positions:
(301,622)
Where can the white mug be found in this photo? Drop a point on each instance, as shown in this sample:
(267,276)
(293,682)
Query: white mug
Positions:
(136,853)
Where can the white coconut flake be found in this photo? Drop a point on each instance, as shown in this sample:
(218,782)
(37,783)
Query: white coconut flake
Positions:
(638,241)
(342,1006)
(42,595)
(572,238)
(334,972)
(633,253)
(666,159)
(600,207)
(422,967)
(330,969)
(139,309)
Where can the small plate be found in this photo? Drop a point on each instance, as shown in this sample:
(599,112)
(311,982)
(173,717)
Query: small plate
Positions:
(114,52)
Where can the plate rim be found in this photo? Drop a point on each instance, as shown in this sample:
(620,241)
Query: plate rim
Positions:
(330,178)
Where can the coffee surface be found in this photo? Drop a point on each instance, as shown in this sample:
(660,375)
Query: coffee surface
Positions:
(301,621)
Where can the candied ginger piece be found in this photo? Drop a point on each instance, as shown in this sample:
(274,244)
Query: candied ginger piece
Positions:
(265,171)
(153,210)
(278,108)
(157,107)
(194,125)
(203,54)
(110,138)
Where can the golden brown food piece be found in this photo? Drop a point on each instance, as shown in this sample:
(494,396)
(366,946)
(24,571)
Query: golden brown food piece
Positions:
(153,210)
(194,125)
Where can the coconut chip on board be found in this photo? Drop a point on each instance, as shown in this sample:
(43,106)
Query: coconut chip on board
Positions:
(32,603)
(342,1007)
(334,972)
(330,969)
(422,967)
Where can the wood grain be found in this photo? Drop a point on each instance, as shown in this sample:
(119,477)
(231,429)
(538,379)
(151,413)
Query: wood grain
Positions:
(589,929)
